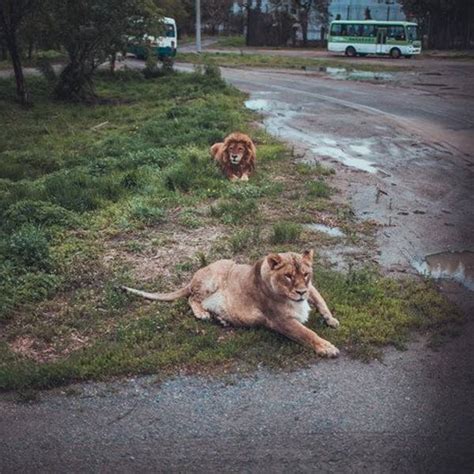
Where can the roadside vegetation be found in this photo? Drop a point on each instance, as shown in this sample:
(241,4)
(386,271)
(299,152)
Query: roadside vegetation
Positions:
(124,192)
(283,61)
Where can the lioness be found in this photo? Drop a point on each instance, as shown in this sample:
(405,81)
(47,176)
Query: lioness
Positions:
(273,293)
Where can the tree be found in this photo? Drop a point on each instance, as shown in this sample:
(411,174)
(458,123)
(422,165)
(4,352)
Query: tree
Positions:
(216,13)
(305,8)
(12,14)
(448,23)
(90,31)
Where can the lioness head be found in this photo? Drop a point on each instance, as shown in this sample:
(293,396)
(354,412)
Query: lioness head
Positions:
(289,274)
(238,146)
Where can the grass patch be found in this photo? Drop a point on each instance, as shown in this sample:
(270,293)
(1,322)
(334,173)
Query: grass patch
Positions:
(280,61)
(139,201)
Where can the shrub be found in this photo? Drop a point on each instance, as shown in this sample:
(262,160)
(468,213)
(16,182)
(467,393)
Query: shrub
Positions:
(29,247)
(286,232)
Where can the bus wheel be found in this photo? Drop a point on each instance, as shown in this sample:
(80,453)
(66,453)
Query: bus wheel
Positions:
(408,56)
(350,51)
(395,53)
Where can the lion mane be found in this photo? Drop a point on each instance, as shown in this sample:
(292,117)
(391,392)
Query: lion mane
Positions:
(222,155)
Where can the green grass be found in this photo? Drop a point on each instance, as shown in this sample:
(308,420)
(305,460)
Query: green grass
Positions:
(138,201)
(280,61)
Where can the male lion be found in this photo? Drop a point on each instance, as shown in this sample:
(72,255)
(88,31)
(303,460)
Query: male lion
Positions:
(236,156)
(273,293)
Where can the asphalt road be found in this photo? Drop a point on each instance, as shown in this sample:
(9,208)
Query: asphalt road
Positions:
(412,412)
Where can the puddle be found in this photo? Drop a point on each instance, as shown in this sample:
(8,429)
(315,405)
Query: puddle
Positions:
(458,266)
(259,105)
(331,231)
(346,158)
(282,121)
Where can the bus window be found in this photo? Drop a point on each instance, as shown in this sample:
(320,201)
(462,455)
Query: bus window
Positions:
(369,31)
(351,30)
(413,33)
(396,32)
(336,30)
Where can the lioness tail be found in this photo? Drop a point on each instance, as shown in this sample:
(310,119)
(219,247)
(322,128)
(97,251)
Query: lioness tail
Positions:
(186,291)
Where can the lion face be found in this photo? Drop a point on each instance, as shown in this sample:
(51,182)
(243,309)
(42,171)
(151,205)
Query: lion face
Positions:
(236,151)
(289,274)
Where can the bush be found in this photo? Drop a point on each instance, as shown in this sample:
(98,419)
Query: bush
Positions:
(38,213)
(29,247)
(286,232)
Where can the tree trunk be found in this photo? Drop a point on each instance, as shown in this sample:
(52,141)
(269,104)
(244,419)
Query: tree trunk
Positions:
(113,60)
(21,91)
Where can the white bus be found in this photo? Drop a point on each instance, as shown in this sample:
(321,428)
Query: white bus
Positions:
(395,38)
(164,46)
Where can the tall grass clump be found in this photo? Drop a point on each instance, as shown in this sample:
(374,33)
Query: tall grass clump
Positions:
(318,189)
(286,232)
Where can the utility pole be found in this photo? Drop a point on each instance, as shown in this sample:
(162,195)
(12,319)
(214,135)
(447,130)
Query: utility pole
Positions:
(198,26)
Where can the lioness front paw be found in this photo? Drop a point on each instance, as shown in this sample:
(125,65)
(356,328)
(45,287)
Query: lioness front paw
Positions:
(327,350)
(244,178)
(332,322)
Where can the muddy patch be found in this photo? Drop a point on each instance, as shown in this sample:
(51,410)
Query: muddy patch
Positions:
(457,266)
(163,251)
(347,74)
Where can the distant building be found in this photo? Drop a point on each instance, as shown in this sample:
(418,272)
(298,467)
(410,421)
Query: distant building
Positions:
(338,9)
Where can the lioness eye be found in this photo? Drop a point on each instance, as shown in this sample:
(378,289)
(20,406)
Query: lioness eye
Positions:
(289,276)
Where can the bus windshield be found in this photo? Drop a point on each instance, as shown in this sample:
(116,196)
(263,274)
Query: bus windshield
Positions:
(413,33)
(169,30)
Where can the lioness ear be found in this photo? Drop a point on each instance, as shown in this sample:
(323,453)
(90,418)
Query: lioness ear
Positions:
(308,256)
(273,260)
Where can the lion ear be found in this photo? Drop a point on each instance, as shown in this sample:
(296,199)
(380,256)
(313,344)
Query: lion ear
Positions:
(308,256)
(274,260)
